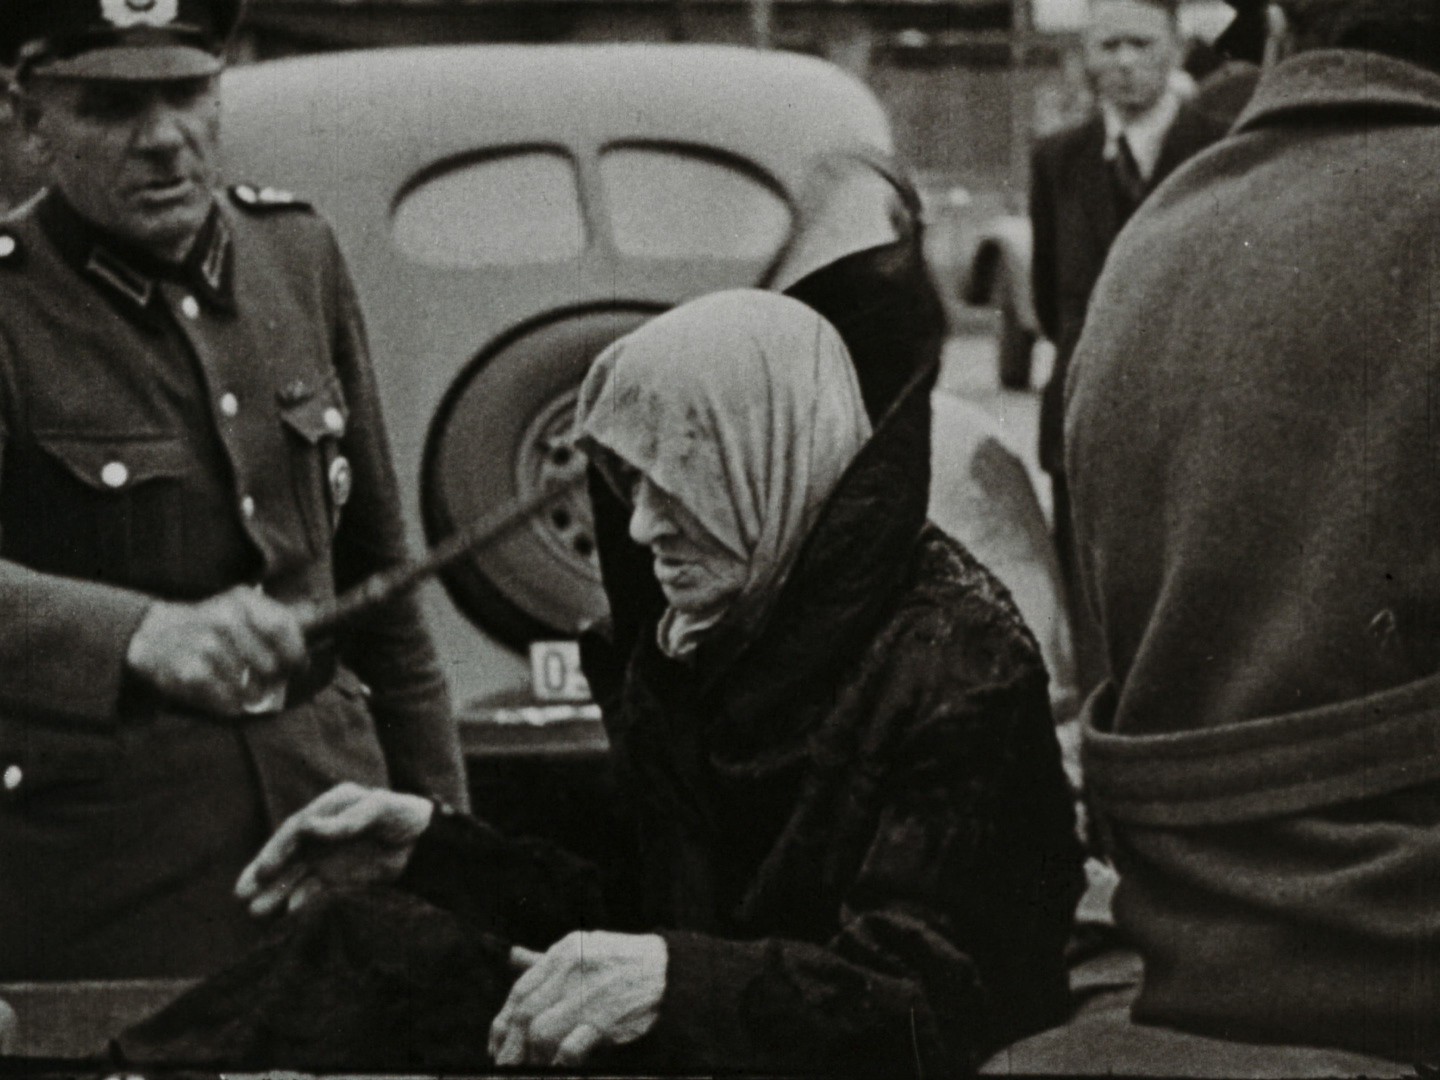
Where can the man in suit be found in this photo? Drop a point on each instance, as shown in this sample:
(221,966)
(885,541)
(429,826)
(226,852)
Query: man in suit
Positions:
(1085,183)
(191,455)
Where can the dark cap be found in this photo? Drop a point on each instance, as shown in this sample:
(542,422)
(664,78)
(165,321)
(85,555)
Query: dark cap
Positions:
(117,39)
(1244,38)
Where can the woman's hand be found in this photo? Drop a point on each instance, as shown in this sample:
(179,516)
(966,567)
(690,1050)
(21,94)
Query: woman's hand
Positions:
(351,835)
(589,990)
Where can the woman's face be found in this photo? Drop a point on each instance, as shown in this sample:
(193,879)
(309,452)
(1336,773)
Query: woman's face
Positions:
(696,571)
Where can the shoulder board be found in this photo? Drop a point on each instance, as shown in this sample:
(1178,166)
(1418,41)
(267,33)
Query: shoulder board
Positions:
(266,198)
(10,249)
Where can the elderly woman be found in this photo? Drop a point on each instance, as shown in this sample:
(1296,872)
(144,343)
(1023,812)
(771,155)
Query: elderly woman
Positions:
(857,847)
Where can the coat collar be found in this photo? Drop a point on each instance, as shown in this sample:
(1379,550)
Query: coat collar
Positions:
(851,568)
(131,275)
(1190,132)
(1343,79)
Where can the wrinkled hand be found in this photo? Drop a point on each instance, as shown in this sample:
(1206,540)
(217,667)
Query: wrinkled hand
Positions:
(589,990)
(222,655)
(351,835)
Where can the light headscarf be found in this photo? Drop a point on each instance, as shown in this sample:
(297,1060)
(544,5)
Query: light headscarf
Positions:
(744,407)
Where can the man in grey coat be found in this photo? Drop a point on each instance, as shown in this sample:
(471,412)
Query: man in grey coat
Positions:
(1252,431)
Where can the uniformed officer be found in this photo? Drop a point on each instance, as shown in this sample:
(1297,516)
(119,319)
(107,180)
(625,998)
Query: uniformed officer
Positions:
(191,449)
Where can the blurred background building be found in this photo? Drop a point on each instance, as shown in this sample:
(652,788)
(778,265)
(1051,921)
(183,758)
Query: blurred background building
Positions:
(967,82)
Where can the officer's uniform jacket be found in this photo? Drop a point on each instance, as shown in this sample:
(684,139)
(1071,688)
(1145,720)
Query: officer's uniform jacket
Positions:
(177,434)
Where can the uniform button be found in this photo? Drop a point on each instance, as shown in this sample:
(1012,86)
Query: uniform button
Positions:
(333,420)
(247,507)
(114,474)
(229,404)
(13,777)
(191,307)
(7,246)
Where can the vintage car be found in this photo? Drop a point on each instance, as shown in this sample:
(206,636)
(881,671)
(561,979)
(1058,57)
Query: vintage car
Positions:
(507,211)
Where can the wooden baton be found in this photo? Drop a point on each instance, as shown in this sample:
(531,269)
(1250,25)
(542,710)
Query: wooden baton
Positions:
(385,585)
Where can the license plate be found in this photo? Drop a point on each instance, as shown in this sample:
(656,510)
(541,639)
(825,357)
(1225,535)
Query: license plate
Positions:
(555,671)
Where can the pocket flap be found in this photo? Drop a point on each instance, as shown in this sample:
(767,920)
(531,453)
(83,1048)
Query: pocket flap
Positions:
(119,462)
(320,414)
(40,757)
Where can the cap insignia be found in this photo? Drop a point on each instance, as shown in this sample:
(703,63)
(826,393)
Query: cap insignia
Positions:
(124,14)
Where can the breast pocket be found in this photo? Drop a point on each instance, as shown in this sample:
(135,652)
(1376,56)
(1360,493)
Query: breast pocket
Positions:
(110,506)
(317,422)
(55,770)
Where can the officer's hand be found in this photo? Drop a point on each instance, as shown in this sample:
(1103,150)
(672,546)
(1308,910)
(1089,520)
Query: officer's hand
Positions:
(351,835)
(220,655)
(590,989)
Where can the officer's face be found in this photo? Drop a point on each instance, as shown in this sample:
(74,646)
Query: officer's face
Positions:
(1130,49)
(136,158)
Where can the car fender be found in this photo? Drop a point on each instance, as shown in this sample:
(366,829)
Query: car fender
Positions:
(999,270)
(982,495)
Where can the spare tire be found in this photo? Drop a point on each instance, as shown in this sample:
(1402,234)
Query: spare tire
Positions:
(502,433)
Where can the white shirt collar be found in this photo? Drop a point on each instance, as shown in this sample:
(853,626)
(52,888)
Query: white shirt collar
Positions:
(1145,134)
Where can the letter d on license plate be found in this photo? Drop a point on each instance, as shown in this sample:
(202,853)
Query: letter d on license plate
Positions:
(555,671)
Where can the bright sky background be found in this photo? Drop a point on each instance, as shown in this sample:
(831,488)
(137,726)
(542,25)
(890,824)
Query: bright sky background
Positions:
(1202,18)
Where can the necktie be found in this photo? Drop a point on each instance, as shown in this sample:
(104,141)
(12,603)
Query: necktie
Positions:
(1127,172)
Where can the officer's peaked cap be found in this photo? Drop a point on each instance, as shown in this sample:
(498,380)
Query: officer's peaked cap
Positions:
(117,39)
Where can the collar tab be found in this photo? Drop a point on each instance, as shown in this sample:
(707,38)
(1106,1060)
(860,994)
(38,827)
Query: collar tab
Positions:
(114,272)
(208,267)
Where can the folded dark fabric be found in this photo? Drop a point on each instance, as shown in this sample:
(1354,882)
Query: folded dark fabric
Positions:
(373,980)
(1267,767)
